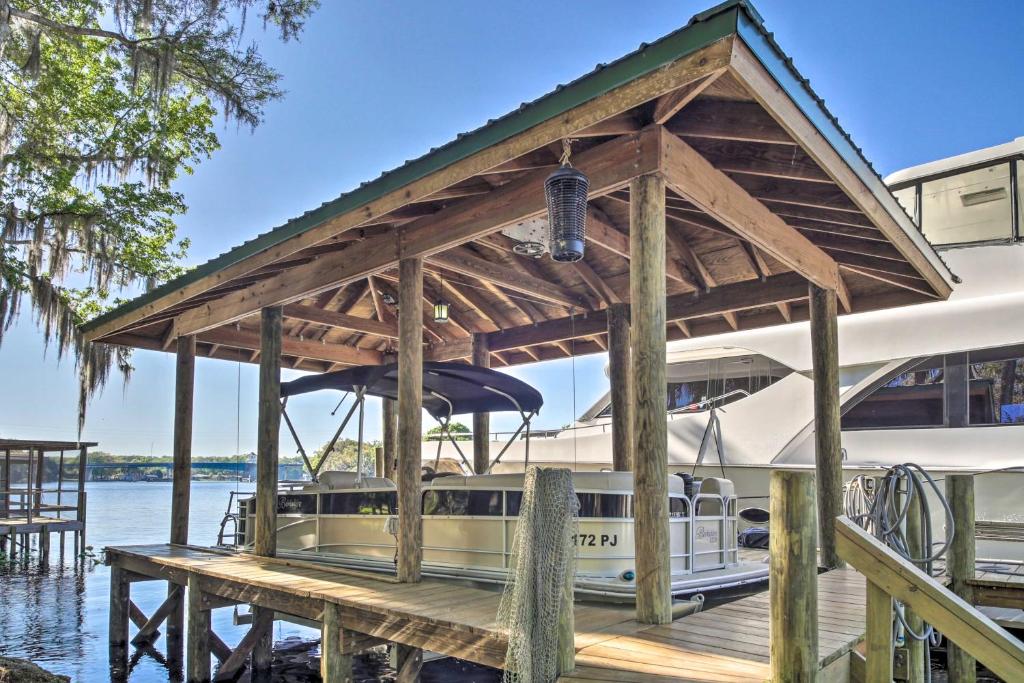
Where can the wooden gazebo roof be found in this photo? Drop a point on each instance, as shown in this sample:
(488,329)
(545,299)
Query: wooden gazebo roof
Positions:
(765,193)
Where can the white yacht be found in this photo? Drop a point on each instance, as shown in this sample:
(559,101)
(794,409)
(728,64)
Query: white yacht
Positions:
(938,384)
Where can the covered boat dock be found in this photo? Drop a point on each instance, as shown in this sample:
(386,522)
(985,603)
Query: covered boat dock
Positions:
(722,196)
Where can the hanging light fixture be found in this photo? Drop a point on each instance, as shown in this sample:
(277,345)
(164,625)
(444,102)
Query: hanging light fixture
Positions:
(441,306)
(566,193)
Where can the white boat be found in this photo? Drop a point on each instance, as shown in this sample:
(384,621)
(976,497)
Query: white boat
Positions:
(938,384)
(469,521)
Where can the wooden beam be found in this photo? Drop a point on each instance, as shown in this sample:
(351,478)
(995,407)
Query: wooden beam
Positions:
(342,321)
(621,381)
(693,177)
(181,481)
(828,457)
(897,227)
(960,565)
(410,416)
(670,104)
(597,284)
(650,466)
(602,232)
(771,161)
(268,426)
(336,353)
(482,269)
(621,124)
(199,632)
(730,120)
(481,421)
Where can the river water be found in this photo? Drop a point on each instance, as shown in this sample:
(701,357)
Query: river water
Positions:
(57,617)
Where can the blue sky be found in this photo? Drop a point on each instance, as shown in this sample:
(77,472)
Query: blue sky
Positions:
(373,84)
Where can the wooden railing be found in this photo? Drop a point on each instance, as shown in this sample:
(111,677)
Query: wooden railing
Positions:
(891,576)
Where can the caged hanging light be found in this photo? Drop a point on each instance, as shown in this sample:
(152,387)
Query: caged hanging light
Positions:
(566,193)
(441,306)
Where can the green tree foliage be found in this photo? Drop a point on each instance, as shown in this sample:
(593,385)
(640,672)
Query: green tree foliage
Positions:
(103,103)
(345,454)
(459,431)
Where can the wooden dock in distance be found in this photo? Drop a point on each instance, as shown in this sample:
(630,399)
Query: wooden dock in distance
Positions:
(726,643)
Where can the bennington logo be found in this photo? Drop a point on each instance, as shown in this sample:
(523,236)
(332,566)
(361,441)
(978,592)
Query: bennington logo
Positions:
(710,535)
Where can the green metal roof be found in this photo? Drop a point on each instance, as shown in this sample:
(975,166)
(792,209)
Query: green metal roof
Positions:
(730,17)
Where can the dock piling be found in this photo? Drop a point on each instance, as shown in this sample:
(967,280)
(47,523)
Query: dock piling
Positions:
(120,596)
(335,664)
(960,565)
(198,656)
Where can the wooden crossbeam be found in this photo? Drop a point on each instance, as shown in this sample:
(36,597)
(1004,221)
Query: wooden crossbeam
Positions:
(730,120)
(672,103)
(693,177)
(150,630)
(342,321)
(511,279)
(602,232)
(236,660)
(608,166)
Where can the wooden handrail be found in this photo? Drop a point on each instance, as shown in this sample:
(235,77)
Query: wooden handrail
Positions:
(953,617)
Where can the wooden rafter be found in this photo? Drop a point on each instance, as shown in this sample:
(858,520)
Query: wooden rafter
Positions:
(670,104)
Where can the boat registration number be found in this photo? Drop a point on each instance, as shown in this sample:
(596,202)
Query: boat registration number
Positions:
(595,540)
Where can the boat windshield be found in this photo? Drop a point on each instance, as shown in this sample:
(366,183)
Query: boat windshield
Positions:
(698,385)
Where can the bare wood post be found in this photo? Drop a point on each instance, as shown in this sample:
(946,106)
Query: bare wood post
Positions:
(80,503)
(378,461)
(409,665)
(44,544)
(915,546)
(793,579)
(181,481)
(650,478)
(7,484)
(335,666)
(263,650)
(40,476)
(389,412)
(960,565)
(620,378)
(198,662)
(828,456)
(120,595)
(878,634)
(481,421)
(410,417)
(268,428)
(27,498)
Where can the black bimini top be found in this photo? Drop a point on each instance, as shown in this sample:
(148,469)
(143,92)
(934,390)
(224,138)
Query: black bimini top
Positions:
(448,388)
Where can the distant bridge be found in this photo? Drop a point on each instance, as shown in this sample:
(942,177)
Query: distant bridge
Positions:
(240,469)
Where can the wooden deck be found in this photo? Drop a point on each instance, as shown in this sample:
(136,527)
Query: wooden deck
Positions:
(727,643)
(21,525)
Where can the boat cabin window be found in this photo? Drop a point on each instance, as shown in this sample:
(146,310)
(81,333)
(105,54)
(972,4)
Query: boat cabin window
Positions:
(360,503)
(462,502)
(912,399)
(613,505)
(973,206)
(997,386)
(296,505)
(972,388)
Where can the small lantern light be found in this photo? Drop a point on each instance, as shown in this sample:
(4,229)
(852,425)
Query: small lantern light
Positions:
(441,306)
(566,193)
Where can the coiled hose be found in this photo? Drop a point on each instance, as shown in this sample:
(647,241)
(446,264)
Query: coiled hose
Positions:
(882,509)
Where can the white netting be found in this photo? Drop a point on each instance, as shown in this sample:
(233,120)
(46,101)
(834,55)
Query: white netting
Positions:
(540,578)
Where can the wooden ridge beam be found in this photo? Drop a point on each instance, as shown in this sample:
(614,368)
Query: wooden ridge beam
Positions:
(694,178)
(608,166)
(342,321)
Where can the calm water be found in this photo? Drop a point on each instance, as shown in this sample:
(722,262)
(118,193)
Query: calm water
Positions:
(58,617)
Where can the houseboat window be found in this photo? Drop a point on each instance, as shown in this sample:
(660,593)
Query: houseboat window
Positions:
(907,197)
(296,505)
(968,207)
(997,386)
(591,504)
(462,502)
(912,399)
(360,503)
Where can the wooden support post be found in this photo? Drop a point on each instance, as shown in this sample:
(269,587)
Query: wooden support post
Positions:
(120,596)
(960,565)
(263,650)
(389,412)
(44,544)
(828,455)
(181,481)
(27,499)
(650,467)
(198,660)
(620,378)
(378,461)
(233,662)
(80,502)
(878,634)
(481,421)
(915,547)
(268,427)
(335,664)
(409,663)
(793,578)
(150,631)
(410,417)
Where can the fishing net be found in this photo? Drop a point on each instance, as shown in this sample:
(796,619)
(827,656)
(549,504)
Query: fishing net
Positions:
(540,578)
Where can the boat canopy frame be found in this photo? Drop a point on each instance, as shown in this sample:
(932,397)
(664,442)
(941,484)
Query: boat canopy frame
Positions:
(449,389)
